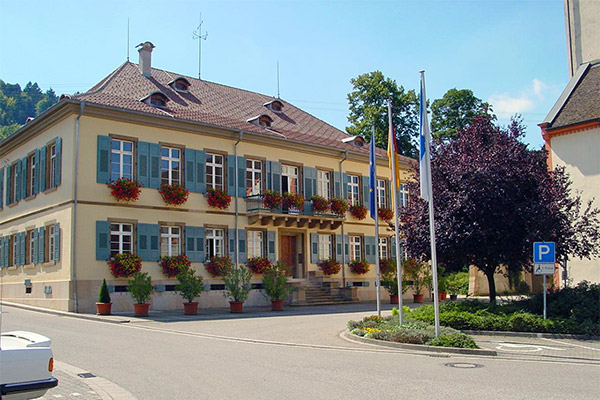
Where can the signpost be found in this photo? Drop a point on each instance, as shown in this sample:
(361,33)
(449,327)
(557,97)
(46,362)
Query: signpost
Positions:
(544,257)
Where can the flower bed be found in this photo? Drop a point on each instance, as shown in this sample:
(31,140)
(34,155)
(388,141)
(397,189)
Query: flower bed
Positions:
(359,267)
(174,265)
(218,266)
(319,204)
(339,206)
(124,189)
(174,194)
(124,265)
(258,265)
(218,198)
(271,199)
(385,214)
(359,212)
(329,266)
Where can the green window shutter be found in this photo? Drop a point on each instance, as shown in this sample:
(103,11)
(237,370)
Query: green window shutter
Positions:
(338,248)
(337,184)
(56,241)
(34,250)
(392,247)
(148,243)
(347,247)
(231,243)
(1,187)
(8,188)
(271,237)
(231,183)
(370,249)
(58,169)
(2,251)
(6,251)
(22,243)
(194,239)
(200,171)
(154,178)
(24,174)
(314,248)
(365,191)
(42,168)
(268,176)
(242,245)
(345,186)
(102,240)
(41,245)
(36,183)
(308,173)
(241,184)
(276,175)
(17,185)
(103,160)
(190,169)
(154,254)
(143,163)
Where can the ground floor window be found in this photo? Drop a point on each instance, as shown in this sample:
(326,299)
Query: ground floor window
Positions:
(14,247)
(121,238)
(255,244)
(355,248)
(30,247)
(383,248)
(215,241)
(170,241)
(325,247)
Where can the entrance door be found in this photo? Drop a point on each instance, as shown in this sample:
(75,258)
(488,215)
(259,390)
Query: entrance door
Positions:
(288,250)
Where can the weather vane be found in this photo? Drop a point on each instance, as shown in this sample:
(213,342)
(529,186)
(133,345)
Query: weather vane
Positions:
(197,34)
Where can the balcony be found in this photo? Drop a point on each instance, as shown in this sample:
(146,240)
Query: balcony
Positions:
(258,214)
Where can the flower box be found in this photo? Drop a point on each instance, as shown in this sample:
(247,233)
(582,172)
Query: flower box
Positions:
(329,266)
(339,206)
(174,194)
(319,204)
(218,266)
(218,198)
(174,265)
(358,211)
(124,189)
(124,265)
(359,267)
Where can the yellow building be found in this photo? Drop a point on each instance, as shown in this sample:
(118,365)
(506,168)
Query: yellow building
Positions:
(60,224)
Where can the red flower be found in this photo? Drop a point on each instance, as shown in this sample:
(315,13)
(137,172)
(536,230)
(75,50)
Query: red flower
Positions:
(271,199)
(359,266)
(292,201)
(174,194)
(339,206)
(174,265)
(258,265)
(319,204)
(124,189)
(385,214)
(123,265)
(218,198)
(218,266)
(329,266)
(358,211)
(387,265)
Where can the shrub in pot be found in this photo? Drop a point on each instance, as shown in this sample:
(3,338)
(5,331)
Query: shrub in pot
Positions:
(275,284)
(389,280)
(237,285)
(258,265)
(103,305)
(190,286)
(140,287)
(420,274)
(457,283)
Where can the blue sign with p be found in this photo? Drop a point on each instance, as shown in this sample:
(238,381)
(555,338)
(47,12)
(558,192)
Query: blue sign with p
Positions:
(543,252)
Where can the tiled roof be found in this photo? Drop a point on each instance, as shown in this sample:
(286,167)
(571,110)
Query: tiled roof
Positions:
(583,103)
(214,104)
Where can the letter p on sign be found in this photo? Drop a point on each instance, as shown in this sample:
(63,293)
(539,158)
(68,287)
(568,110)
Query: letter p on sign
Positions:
(543,252)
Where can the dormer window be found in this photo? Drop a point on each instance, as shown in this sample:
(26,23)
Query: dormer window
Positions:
(262,120)
(357,141)
(274,105)
(180,84)
(157,99)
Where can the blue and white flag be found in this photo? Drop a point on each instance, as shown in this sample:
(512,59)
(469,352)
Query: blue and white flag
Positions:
(425,136)
(373,179)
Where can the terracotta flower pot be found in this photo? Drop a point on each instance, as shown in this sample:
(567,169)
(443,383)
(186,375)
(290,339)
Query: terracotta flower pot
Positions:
(140,310)
(442,296)
(103,308)
(190,308)
(418,298)
(453,296)
(393,299)
(236,306)
(276,305)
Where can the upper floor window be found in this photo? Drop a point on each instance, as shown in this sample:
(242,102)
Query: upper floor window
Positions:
(214,171)
(170,241)
(215,241)
(156,99)
(353,190)
(383,248)
(180,84)
(255,244)
(121,159)
(324,184)
(31,167)
(170,165)
(289,179)
(381,195)
(51,166)
(325,247)
(355,248)
(121,238)
(14,182)
(253,177)
(403,195)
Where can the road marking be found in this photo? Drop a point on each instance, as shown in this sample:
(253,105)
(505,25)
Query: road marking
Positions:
(529,348)
(571,344)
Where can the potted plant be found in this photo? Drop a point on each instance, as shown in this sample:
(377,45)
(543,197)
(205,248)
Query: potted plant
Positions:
(419,274)
(271,199)
(385,214)
(124,265)
(358,211)
(190,286)
(258,265)
(275,285)
(140,287)
(173,194)
(124,189)
(457,283)
(359,267)
(339,206)
(237,285)
(103,305)
(387,265)
(174,265)
(442,294)
(218,198)
(292,202)
(319,204)
(389,281)
(329,266)
(218,266)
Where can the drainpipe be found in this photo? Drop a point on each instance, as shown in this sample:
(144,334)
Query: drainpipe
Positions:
(75,201)
(237,241)
(343,239)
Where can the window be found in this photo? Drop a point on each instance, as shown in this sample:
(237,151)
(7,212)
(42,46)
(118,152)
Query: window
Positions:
(121,159)
(32,165)
(50,234)
(51,166)
(255,244)
(121,238)
(170,165)
(289,179)
(158,100)
(214,171)
(403,196)
(265,120)
(325,247)
(180,84)
(253,177)
(381,197)
(214,243)
(355,248)
(383,248)
(14,247)
(324,184)
(353,191)
(170,241)
(14,179)
(31,248)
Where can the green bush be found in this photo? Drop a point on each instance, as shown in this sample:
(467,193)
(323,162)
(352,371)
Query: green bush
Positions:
(237,283)
(104,296)
(458,283)
(190,286)
(140,287)
(459,340)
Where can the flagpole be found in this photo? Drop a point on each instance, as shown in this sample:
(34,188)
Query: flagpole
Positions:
(425,129)
(395,194)
(375,216)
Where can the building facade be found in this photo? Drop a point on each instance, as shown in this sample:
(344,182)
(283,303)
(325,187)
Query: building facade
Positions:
(60,225)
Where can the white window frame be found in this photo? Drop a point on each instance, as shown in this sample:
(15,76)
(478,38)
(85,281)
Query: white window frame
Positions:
(325,247)
(255,242)
(51,165)
(381,195)
(15,179)
(254,182)
(353,190)
(383,247)
(32,248)
(51,238)
(215,242)
(403,195)
(121,153)
(355,248)
(324,184)
(121,233)
(290,172)
(217,170)
(171,160)
(171,237)
(15,245)
(31,170)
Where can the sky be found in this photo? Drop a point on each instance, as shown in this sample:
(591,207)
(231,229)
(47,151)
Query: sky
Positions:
(511,53)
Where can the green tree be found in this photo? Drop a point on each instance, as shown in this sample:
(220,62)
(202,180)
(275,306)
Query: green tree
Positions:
(46,102)
(455,111)
(368,108)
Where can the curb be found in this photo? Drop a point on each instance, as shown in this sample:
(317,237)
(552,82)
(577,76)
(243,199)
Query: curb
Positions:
(65,313)
(533,334)
(421,347)
(103,387)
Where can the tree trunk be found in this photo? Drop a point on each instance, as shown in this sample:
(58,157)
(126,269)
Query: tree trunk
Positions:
(492,286)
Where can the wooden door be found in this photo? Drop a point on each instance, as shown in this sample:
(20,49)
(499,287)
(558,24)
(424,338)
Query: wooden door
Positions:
(287,250)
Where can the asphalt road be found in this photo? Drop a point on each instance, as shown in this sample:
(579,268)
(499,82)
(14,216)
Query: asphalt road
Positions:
(291,357)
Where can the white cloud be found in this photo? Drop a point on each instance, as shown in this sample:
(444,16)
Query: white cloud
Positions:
(538,88)
(506,105)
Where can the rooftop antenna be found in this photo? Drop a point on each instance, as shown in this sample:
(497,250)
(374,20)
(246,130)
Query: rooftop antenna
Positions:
(278,79)
(127,39)
(197,34)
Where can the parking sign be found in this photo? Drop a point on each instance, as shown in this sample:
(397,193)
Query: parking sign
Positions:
(543,252)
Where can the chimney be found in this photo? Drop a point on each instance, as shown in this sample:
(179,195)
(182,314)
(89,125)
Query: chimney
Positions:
(145,63)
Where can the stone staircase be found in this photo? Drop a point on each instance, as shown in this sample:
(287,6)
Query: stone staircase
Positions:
(315,292)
